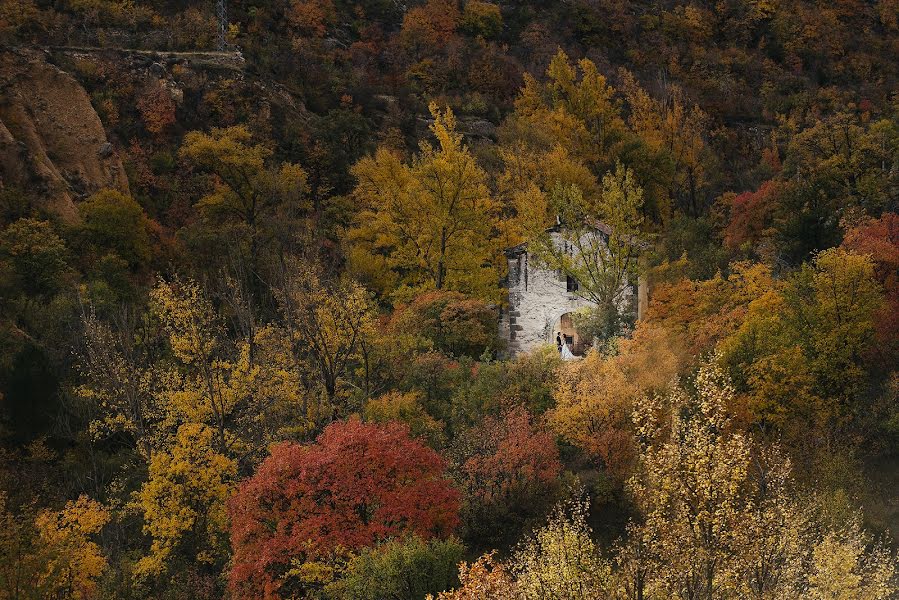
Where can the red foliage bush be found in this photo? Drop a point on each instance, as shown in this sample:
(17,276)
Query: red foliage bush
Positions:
(510,470)
(878,238)
(750,215)
(356,485)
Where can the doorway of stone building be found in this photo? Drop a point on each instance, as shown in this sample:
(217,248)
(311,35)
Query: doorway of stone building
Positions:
(565,326)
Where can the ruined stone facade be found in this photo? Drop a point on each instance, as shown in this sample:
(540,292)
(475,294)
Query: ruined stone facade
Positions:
(540,303)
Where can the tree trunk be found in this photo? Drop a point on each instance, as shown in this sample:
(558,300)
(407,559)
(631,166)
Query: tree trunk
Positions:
(441,262)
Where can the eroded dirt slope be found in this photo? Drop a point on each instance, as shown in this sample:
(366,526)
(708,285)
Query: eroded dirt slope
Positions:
(52,143)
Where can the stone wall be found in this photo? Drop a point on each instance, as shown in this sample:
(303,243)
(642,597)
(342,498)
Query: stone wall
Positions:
(538,298)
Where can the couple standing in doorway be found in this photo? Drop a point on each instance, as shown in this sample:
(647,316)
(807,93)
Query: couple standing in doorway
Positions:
(562,345)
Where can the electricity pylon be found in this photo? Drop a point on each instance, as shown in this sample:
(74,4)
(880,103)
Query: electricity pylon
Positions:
(221,13)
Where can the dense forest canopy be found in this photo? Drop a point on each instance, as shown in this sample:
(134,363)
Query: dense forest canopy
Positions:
(249,299)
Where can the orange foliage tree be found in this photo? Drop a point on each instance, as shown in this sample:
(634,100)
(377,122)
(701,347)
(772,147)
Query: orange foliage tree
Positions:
(157,109)
(704,312)
(595,397)
(428,28)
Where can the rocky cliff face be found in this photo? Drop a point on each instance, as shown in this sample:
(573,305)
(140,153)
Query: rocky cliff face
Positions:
(52,143)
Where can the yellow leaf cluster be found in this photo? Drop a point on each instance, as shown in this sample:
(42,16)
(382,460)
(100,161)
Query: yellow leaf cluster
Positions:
(431,221)
(186,493)
(73,560)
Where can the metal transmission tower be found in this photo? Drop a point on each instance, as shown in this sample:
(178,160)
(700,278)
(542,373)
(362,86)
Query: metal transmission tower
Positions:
(221,13)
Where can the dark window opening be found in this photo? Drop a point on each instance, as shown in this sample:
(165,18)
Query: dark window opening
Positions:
(571,284)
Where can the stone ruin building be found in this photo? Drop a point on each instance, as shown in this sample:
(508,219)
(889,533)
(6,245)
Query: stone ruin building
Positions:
(542,300)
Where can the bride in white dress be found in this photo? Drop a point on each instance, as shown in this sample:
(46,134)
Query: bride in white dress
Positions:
(566,352)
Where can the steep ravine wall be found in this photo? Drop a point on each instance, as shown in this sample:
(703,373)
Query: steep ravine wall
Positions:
(52,143)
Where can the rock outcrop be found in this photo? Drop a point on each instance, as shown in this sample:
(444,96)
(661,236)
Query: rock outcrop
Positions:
(52,142)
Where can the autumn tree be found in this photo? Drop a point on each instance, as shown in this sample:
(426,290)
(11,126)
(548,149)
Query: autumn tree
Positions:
(116,223)
(561,560)
(255,203)
(406,408)
(35,260)
(595,398)
(833,166)
(509,470)
(846,565)
(575,108)
(691,489)
(196,406)
(452,323)
(249,192)
(426,225)
(146,375)
(721,517)
(481,19)
(119,381)
(677,131)
(19,567)
(799,354)
(558,560)
(879,239)
(358,484)
(211,388)
(570,130)
(484,578)
(750,225)
(427,28)
(183,501)
(74,560)
(702,313)
(847,158)
(311,18)
(157,109)
(56,555)
(597,245)
(402,568)
(327,325)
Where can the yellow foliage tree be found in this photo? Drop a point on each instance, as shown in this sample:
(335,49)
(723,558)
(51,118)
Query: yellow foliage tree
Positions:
(406,407)
(722,517)
(255,205)
(208,387)
(561,560)
(218,382)
(674,129)
(194,413)
(595,397)
(250,194)
(798,356)
(430,223)
(845,568)
(326,324)
(602,257)
(72,561)
(183,500)
(574,108)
